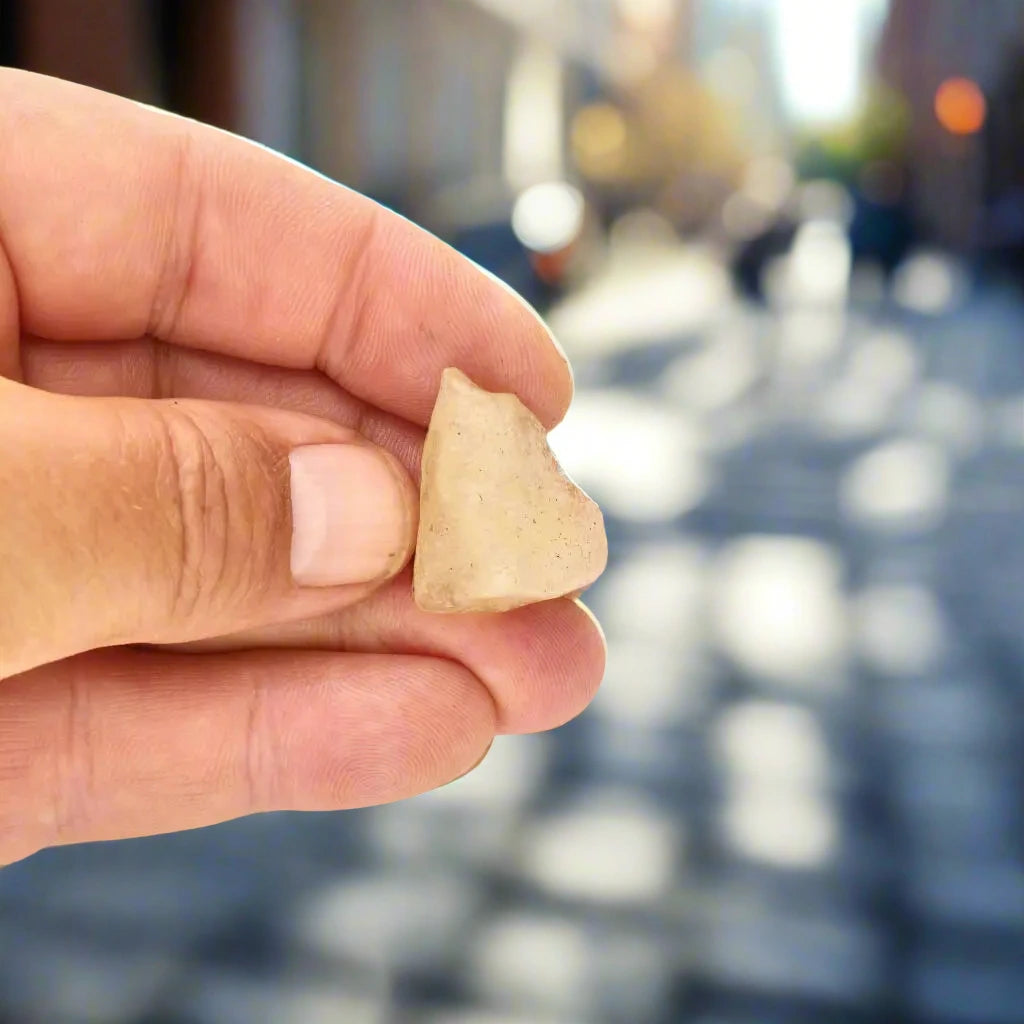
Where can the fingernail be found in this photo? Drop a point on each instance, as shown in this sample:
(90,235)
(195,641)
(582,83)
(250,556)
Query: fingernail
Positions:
(350,515)
(594,620)
(559,348)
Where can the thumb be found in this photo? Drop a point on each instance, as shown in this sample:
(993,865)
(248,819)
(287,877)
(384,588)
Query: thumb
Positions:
(130,521)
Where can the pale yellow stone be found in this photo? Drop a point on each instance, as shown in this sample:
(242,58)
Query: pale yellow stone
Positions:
(500,524)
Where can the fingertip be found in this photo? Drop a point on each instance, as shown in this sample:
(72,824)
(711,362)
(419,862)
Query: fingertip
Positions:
(550,364)
(422,723)
(559,666)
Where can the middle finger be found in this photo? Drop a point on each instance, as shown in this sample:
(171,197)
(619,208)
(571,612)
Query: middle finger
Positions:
(542,663)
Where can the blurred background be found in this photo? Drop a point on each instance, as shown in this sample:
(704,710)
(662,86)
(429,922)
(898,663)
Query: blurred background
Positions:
(783,244)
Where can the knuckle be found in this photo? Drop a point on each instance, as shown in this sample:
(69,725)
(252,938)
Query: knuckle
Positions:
(226,513)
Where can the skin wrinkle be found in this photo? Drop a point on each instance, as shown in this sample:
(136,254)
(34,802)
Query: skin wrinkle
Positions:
(10,318)
(74,775)
(185,571)
(177,263)
(219,559)
(258,791)
(357,297)
(504,655)
(125,452)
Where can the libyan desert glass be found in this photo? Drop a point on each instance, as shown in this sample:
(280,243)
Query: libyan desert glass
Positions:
(500,524)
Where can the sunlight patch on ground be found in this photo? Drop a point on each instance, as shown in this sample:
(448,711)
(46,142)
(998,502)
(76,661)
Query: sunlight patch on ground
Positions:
(524,959)
(387,919)
(784,828)
(640,459)
(768,742)
(901,484)
(609,848)
(778,608)
(930,283)
(949,415)
(507,777)
(647,685)
(899,630)
(639,301)
(718,374)
(655,596)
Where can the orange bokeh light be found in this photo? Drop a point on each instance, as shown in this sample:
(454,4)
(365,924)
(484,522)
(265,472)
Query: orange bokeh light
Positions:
(960,106)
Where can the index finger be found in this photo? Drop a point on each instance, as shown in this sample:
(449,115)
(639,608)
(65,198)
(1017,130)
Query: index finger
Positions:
(119,221)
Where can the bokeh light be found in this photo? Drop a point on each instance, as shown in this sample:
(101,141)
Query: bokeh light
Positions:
(599,137)
(611,848)
(766,741)
(960,106)
(784,828)
(900,629)
(930,283)
(548,217)
(658,595)
(645,462)
(899,485)
(528,960)
(779,611)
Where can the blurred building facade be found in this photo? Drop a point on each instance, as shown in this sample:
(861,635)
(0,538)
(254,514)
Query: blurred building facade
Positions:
(394,88)
(924,43)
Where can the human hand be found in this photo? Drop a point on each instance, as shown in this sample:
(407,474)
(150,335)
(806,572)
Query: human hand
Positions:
(204,610)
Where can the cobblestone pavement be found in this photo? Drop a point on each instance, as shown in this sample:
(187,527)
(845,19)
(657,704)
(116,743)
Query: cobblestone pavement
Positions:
(797,798)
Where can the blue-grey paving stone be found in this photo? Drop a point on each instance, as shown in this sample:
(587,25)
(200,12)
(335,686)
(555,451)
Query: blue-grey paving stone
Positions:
(949,801)
(387,921)
(223,998)
(541,964)
(48,977)
(633,975)
(978,893)
(835,957)
(415,835)
(604,846)
(763,1009)
(849,880)
(665,760)
(483,1015)
(158,905)
(943,711)
(880,561)
(944,988)
(286,849)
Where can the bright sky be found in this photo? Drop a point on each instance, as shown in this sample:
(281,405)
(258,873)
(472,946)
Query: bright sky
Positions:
(820,47)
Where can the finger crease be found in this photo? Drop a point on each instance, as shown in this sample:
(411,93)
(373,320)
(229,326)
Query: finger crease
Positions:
(349,314)
(178,264)
(74,780)
(253,773)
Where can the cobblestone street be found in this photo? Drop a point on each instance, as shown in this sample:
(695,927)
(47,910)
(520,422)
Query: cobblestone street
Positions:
(798,796)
